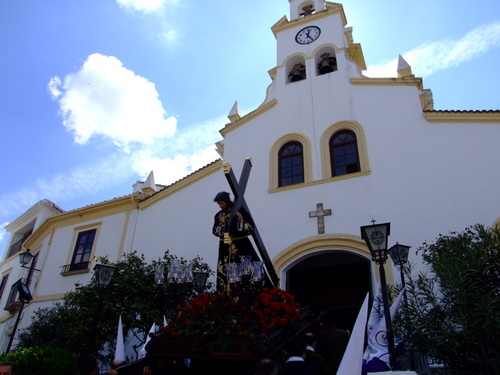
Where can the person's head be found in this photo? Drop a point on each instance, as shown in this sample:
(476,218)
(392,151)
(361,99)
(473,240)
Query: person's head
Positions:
(311,339)
(296,347)
(223,200)
(86,364)
(328,318)
(7,368)
(266,367)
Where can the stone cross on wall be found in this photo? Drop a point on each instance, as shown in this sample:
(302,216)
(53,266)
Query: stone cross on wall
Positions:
(320,213)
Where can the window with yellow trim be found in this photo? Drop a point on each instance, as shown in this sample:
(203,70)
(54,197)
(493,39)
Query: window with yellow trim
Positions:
(344,155)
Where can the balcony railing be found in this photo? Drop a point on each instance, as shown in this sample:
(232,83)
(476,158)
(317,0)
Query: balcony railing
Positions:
(84,266)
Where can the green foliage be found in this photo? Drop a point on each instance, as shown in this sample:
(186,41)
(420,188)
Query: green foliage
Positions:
(49,327)
(453,313)
(132,294)
(42,361)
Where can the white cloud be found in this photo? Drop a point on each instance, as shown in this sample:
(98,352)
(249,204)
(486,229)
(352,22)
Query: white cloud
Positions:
(3,232)
(146,6)
(192,148)
(434,57)
(104,98)
(168,34)
(170,169)
(81,180)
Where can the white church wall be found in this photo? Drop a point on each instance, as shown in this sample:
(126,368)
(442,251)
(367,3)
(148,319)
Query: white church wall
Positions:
(181,222)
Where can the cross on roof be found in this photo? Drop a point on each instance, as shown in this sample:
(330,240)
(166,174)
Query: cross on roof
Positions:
(320,213)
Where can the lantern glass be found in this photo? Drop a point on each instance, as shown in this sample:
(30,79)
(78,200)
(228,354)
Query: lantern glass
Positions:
(257,271)
(159,276)
(234,272)
(376,236)
(399,254)
(25,257)
(199,280)
(104,274)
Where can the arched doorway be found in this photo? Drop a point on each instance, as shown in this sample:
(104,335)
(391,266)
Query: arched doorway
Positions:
(332,280)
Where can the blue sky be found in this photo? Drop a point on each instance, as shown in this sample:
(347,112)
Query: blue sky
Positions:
(95,94)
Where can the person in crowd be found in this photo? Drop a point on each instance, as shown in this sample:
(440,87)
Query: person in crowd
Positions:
(7,368)
(266,367)
(332,341)
(295,353)
(317,360)
(87,364)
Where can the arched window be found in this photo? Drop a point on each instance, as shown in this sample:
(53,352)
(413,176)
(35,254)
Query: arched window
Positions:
(344,156)
(291,164)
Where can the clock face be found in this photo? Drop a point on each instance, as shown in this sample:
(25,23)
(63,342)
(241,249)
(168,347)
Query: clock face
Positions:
(308,35)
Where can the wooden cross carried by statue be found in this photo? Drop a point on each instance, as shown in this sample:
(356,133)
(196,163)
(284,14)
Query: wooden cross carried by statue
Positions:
(238,189)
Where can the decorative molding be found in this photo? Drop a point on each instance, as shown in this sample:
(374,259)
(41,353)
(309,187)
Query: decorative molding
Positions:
(388,82)
(463,116)
(255,113)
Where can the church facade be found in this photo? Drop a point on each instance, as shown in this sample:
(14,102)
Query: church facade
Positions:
(331,150)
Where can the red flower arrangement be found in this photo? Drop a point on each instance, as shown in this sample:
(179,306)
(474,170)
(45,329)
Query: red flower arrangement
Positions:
(275,307)
(216,316)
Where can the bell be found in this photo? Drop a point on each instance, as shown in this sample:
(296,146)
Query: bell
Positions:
(297,76)
(325,67)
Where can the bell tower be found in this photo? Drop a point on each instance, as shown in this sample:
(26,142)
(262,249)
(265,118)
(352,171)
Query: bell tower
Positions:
(303,8)
(313,45)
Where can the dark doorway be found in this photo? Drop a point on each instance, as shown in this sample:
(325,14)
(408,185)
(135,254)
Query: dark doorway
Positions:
(335,281)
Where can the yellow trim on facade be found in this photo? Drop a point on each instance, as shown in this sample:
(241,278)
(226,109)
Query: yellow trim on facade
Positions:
(182,184)
(331,8)
(463,116)
(51,297)
(126,223)
(88,213)
(250,116)
(326,242)
(319,182)
(273,158)
(325,148)
(388,82)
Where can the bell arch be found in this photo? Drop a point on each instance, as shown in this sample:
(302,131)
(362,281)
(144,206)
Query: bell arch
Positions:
(295,68)
(325,59)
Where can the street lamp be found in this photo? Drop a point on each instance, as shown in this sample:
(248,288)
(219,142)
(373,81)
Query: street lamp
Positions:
(376,236)
(23,289)
(103,274)
(399,255)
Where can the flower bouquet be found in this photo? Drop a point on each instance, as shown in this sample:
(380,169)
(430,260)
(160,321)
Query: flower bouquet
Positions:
(224,319)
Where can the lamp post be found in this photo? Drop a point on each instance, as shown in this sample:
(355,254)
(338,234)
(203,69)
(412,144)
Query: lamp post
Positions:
(376,236)
(103,274)
(23,289)
(399,255)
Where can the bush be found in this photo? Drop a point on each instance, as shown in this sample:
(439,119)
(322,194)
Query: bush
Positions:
(453,314)
(42,361)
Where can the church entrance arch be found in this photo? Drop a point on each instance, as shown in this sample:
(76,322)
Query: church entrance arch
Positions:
(334,276)
(333,280)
